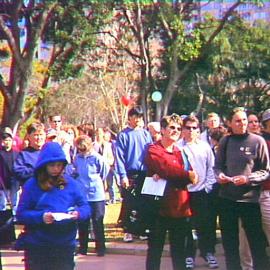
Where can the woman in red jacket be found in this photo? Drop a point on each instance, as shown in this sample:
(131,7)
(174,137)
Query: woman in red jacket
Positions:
(164,160)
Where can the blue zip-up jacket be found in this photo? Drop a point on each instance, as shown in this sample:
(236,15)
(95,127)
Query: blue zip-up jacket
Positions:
(34,202)
(91,170)
(131,146)
(24,164)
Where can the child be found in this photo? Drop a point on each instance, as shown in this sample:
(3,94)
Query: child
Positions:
(91,170)
(49,207)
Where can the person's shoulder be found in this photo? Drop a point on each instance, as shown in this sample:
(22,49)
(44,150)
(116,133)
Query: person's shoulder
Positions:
(30,184)
(256,137)
(156,146)
(72,183)
(204,144)
(96,155)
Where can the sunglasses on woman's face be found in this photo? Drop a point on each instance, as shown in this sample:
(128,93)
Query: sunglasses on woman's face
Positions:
(175,128)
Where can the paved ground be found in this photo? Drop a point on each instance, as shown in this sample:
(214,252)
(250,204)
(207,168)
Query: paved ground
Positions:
(126,260)
(120,255)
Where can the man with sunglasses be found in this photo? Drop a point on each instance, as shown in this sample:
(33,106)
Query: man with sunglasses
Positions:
(241,164)
(201,158)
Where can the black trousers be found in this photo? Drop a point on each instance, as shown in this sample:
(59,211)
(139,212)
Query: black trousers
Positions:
(49,258)
(177,229)
(98,212)
(250,215)
(204,222)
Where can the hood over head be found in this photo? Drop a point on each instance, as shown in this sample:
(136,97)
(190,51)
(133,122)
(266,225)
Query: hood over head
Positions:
(50,152)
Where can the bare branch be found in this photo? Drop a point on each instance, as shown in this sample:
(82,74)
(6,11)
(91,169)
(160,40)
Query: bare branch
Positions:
(223,22)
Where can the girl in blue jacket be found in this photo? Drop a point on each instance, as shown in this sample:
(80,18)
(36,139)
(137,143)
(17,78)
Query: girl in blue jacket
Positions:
(50,206)
(91,170)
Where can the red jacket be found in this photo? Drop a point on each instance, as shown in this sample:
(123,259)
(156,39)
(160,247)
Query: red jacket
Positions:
(170,166)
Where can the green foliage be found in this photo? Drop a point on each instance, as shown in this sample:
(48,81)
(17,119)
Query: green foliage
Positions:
(73,30)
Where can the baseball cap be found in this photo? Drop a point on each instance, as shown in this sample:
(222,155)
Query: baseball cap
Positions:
(135,111)
(7,131)
(266,115)
(154,125)
(51,133)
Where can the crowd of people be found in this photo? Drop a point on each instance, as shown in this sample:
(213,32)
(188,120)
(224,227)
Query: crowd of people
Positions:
(217,174)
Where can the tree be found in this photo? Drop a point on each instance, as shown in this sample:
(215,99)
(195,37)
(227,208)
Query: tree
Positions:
(70,25)
(184,42)
(239,73)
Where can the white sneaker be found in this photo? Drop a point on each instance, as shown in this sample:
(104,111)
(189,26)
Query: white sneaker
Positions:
(189,263)
(211,260)
(143,238)
(128,238)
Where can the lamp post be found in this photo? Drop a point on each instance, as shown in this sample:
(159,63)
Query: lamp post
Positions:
(157,97)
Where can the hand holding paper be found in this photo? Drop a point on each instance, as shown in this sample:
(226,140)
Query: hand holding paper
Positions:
(154,187)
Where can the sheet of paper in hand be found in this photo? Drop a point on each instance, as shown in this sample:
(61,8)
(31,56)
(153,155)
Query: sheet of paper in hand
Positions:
(61,216)
(152,187)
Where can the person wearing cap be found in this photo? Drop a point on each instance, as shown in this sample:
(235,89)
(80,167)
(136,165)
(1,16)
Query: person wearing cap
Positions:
(154,129)
(27,158)
(51,203)
(131,145)
(264,196)
(51,135)
(7,157)
(241,164)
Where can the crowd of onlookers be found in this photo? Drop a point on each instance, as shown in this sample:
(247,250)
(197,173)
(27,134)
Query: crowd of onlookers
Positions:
(217,174)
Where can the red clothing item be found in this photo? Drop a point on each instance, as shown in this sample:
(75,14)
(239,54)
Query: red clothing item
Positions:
(170,166)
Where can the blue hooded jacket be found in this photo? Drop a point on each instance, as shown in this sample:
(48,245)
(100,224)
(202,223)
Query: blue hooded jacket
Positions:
(34,202)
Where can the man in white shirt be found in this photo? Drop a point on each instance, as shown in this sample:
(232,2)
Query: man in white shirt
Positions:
(201,159)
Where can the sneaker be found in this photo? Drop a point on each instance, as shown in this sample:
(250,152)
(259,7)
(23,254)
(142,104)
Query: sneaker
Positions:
(189,263)
(211,260)
(128,238)
(143,237)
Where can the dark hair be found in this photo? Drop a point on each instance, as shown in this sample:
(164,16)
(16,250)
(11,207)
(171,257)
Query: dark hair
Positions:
(135,111)
(191,118)
(34,127)
(217,133)
(166,120)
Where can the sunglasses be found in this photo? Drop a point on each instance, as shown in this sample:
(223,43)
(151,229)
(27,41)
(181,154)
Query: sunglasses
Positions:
(190,128)
(174,128)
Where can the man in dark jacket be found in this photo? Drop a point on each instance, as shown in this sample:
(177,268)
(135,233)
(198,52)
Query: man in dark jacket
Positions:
(8,185)
(242,163)
(26,160)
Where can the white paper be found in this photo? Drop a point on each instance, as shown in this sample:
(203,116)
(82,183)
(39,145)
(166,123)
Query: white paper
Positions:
(61,216)
(153,187)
